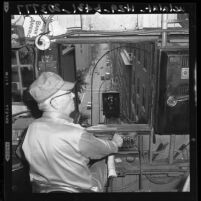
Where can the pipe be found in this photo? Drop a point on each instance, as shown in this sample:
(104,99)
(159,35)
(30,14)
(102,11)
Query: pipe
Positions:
(81,22)
(92,74)
(99,98)
(102,39)
(164,28)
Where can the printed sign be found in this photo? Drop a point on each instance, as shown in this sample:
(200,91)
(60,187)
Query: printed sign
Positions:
(184,73)
(33,26)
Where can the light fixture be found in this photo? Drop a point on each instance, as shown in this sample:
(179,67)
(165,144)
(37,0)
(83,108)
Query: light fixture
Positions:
(42,42)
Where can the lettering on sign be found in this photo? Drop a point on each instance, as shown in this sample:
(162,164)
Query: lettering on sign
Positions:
(33,26)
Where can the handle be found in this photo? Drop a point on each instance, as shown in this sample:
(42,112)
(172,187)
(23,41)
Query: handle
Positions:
(172,100)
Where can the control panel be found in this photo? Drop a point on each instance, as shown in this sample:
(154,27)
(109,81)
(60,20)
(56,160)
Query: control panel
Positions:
(129,141)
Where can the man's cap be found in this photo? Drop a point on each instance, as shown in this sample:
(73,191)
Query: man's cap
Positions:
(47,84)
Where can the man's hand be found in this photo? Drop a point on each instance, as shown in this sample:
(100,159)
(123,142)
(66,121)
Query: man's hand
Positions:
(117,139)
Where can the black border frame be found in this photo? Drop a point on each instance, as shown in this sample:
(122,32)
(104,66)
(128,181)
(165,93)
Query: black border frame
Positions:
(74,6)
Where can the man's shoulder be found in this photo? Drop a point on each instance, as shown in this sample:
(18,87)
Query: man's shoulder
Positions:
(58,125)
(36,121)
(74,127)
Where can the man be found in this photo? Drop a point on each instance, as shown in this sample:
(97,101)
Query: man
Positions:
(57,150)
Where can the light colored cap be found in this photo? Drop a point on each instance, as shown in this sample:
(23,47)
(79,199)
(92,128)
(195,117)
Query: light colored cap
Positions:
(47,84)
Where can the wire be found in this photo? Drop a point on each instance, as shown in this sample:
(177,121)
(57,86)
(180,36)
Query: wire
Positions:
(163,180)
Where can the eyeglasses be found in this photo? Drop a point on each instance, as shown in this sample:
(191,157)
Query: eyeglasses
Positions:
(59,96)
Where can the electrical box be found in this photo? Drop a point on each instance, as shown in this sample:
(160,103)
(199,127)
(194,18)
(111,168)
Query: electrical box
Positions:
(111,104)
(172,104)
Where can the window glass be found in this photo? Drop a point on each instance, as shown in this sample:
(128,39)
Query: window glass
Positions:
(26,56)
(138,85)
(143,96)
(13,58)
(138,54)
(22,73)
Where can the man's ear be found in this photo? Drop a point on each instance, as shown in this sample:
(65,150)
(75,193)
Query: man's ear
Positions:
(55,103)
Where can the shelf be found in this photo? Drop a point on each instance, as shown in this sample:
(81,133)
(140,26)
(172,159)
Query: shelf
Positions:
(139,128)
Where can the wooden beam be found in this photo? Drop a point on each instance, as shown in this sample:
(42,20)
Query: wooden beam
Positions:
(151,145)
(111,128)
(155,168)
(171,148)
(104,39)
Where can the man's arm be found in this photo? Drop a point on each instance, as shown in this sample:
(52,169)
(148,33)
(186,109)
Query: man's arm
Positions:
(96,148)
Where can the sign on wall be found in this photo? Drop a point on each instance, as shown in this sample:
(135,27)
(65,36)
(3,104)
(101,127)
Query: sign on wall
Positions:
(33,26)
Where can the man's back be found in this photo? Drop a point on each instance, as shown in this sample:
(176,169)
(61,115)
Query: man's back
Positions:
(56,158)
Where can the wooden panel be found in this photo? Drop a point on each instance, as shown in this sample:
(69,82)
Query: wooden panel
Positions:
(108,39)
(140,128)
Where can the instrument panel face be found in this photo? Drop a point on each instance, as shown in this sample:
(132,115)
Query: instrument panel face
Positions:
(129,141)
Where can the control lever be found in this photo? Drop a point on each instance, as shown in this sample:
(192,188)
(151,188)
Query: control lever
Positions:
(111,167)
(172,100)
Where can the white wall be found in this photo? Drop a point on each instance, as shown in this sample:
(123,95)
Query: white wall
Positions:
(111,22)
(105,22)
(154,20)
(117,22)
(68,21)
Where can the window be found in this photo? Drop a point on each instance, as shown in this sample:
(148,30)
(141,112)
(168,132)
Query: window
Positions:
(138,86)
(134,76)
(138,54)
(25,56)
(146,56)
(22,72)
(134,98)
(13,56)
(142,55)
(185,61)
(137,109)
(81,49)
(174,59)
(143,96)
(134,52)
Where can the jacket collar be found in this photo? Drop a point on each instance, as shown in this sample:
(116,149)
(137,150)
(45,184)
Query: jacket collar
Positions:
(57,116)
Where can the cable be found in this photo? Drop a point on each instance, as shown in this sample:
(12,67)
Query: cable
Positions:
(162,180)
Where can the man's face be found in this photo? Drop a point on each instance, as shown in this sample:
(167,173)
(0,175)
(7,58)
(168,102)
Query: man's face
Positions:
(65,101)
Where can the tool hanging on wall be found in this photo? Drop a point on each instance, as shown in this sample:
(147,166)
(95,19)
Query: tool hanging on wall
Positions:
(42,41)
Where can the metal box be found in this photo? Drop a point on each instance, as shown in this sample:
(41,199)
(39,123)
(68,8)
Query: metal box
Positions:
(111,104)
(172,104)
